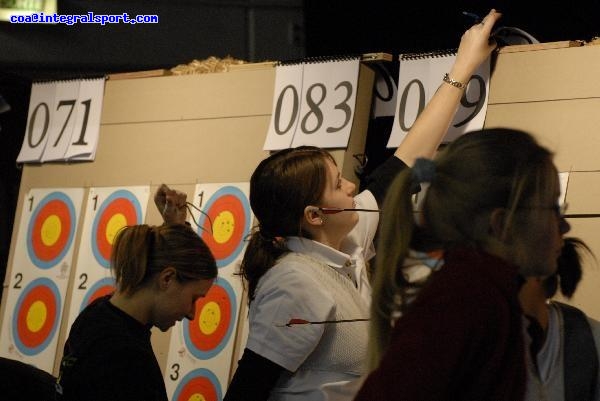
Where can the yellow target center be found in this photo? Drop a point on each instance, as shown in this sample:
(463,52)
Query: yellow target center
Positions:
(210,317)
(196,397)
(36,316)
(223,227)
(51,229)
(115,223)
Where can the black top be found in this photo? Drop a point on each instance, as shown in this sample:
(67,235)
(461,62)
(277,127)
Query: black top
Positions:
(108,356)
(381,178)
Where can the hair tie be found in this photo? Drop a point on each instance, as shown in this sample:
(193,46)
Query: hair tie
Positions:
(423,170)
(275,240)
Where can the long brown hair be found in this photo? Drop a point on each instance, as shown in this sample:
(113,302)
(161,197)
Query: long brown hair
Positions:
(281,187)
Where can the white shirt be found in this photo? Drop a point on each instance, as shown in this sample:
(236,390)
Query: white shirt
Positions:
(289,290)
(546,382)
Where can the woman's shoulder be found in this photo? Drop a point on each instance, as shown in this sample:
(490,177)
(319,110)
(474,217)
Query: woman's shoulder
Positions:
(293,267)
(292,276)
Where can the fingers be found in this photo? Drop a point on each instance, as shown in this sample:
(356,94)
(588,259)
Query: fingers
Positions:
(160,197)
(171,204)
(490,19)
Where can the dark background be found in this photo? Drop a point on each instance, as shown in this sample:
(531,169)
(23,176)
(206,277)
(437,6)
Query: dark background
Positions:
(252,30)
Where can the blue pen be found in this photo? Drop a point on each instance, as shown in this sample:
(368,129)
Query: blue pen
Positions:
(475,17)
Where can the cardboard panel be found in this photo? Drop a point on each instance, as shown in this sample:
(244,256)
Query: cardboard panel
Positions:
(551,74)
(554,94)
(583,193)
(244,92)
(569,128)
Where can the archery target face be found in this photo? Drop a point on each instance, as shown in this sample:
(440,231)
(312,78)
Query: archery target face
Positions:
(36,316)
(51,230)
(229,211)
(209,332)
(198,385)
(120,209)
(101,288)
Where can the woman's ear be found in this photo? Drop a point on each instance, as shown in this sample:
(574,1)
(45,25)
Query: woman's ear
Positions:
(497,224)
(166,277)
(313,216)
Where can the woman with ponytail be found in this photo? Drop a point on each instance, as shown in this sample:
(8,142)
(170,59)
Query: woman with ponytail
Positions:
(160,272)
(305,264)
(491,207)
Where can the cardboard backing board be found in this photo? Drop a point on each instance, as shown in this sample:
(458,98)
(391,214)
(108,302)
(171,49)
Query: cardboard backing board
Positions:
(553,93)
(182,130)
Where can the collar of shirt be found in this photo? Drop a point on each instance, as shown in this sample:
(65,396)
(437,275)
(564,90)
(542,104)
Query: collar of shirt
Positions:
(342,262)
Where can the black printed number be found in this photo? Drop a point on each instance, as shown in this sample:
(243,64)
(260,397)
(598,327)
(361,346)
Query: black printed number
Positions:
(174,372)
(83,277)
(343,106)
(315,110)
(313,119)
(403,100)
(18,280)
(477,104)
(277,118)
(41,115)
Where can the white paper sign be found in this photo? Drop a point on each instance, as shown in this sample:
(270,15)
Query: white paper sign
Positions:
(286,107)
(313,104)
(419,77)
(41,105)
(328,102)
(86,130)
(63,121)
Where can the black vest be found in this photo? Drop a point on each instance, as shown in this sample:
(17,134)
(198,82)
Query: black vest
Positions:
(580,355)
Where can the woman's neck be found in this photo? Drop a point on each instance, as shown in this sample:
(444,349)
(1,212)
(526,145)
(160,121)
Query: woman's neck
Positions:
(135,305)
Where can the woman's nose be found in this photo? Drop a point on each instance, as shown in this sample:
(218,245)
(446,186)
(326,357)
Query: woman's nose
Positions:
(192,314)
(564,226)
(350,187)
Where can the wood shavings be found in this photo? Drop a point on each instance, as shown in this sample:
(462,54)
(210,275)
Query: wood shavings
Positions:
(211,64)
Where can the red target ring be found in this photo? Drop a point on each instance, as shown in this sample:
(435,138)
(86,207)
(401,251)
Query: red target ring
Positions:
(101,288)
(51,230)
(198,385)
(48,242)
(229,212)
(207,334)
(117,211)
(36,316)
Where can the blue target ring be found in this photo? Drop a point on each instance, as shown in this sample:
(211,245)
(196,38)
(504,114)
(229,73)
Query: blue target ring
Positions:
(41,295)
(198,383)
(123,203)
(229,211)
(100,288)
(59,206)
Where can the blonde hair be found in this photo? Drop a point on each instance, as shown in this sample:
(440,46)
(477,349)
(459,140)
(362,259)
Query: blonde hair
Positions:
(478,172)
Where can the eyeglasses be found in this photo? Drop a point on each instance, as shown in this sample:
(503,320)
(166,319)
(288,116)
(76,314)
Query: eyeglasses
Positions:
(295,322)
(560,210)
